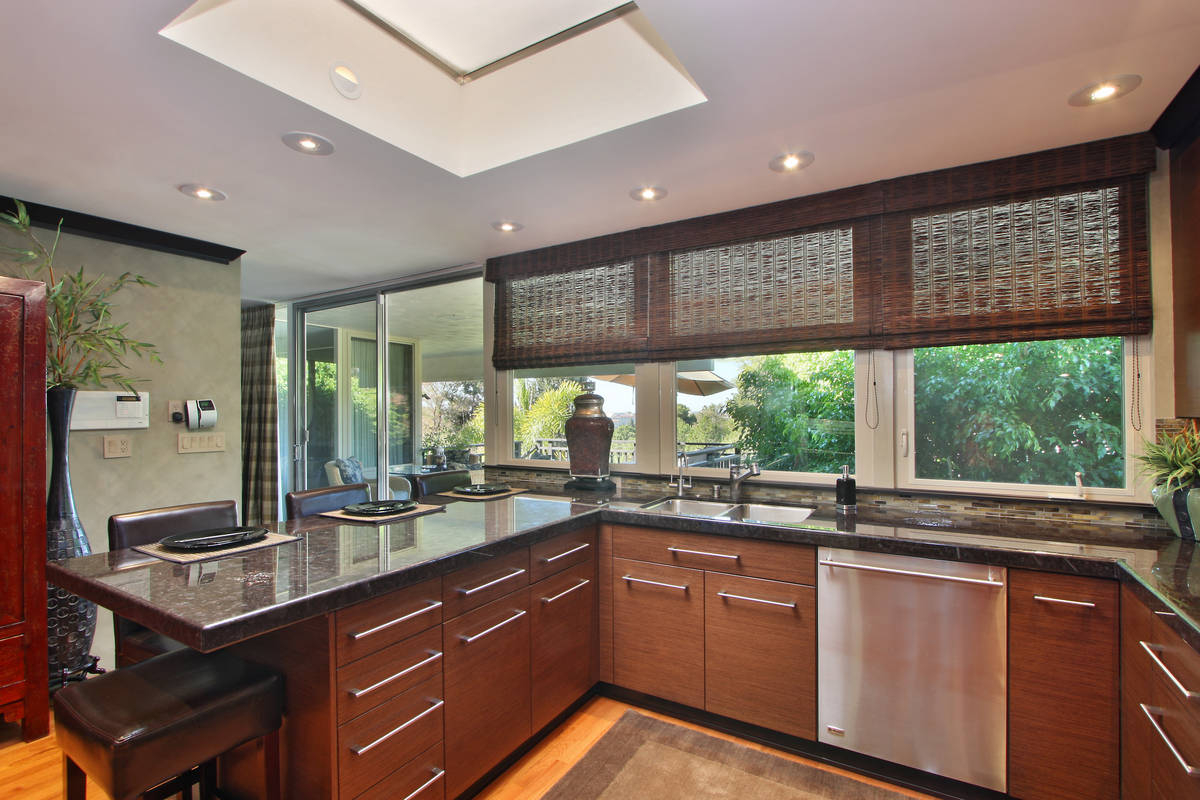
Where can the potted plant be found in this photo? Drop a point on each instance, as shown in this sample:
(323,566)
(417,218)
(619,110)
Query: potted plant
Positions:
(1173,464)
(84,347)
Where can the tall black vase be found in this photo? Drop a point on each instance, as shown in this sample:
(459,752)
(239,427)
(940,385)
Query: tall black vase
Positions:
(70,620)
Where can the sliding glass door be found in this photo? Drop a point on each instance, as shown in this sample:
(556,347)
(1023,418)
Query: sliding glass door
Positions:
(427,384)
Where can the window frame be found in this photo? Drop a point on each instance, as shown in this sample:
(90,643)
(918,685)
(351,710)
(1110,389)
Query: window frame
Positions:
(1135,490)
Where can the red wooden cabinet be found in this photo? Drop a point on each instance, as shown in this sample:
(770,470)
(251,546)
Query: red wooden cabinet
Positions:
(23,669)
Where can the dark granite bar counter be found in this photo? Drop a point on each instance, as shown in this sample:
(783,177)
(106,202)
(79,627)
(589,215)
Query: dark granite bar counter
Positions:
(215,603)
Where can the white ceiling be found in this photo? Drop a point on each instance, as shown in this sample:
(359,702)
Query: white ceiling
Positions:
(100,114)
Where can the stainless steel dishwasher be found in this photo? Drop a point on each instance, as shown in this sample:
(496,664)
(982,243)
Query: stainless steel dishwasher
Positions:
(911,662)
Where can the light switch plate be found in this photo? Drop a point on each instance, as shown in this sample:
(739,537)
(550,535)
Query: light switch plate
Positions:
(119,446)
(204,442)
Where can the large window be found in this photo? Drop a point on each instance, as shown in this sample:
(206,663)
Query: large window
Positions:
(543,400)
(790,412)
(1047,412)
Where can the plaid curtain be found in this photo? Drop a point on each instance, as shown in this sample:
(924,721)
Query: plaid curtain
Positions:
(260,461)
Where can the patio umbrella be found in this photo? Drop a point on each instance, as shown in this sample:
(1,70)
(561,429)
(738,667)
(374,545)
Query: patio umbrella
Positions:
(701,382)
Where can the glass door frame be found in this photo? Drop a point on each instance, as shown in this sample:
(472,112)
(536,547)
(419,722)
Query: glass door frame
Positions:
(297,445)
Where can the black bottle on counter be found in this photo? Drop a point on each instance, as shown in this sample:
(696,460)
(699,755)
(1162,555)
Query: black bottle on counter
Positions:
(847,494)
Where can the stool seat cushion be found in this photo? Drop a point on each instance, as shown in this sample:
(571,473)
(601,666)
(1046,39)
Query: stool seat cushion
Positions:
(135,727)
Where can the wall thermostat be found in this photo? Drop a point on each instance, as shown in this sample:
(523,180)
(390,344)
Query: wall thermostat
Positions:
(199,414)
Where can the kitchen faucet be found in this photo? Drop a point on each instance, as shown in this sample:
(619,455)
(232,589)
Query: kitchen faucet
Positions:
(736,477)
(682,482)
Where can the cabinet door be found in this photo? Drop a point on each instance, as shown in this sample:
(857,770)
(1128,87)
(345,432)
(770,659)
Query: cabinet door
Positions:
(1063,709)
(562,609)
(487,687)
(658,630)
(760,652)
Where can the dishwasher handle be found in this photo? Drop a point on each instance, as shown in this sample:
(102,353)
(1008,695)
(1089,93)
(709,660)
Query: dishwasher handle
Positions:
(911,573)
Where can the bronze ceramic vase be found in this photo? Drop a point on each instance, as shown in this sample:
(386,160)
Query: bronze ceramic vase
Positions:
(589,443)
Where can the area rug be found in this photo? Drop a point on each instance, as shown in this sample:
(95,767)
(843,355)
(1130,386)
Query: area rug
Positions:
(641,757)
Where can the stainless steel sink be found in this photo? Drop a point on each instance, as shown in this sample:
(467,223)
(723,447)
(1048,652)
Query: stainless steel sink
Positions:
(683,507)
(770,515)
(741,512)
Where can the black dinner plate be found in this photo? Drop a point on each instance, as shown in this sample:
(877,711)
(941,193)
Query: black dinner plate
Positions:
(213,539)
(482,488)
(380,508)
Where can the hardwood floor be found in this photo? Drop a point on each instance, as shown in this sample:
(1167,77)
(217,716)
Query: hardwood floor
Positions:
(33,771)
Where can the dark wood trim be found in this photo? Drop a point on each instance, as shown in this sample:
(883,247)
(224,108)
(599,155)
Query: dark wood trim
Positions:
(109,230)
(896,774)
(1179,124)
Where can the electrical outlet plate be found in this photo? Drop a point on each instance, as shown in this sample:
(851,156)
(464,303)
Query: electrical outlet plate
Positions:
(119,446)
(205,442)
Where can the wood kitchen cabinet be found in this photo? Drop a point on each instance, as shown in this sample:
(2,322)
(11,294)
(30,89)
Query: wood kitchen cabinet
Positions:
(1063,684)
(760,655)
(562,610)
(487,687)
(1160,707)
(658,630)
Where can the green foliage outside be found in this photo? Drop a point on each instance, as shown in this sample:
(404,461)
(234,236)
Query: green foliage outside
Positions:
(794,411)
(1021,412)
(541,408)
(708,425)
(448,414)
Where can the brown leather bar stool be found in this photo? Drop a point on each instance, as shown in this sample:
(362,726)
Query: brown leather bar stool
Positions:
(434,482)
(328,498)
(134,642)
(132,729)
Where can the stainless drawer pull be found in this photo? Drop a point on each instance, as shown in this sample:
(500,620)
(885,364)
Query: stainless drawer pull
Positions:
(1150,712)
(552,559)
(432,605)
(755,600)
(489,584)
(1150,651)
(436,777)
(702,553)
(1080,603)
(935,576)
(582,583)
(682,586)
(497,626)
(434,656)
(358,751)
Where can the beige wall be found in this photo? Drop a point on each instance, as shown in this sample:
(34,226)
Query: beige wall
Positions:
(194,317)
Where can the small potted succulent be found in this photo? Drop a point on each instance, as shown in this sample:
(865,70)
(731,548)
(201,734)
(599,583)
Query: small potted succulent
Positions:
(1173,464)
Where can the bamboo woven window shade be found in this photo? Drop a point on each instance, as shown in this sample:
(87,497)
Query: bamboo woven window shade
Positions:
(1047,245)
(591,314)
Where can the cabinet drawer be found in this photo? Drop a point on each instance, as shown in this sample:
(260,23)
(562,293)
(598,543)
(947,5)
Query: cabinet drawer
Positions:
(12,669)
(369,626)
(1063,687)
(372,679)
(760,643)
(563,626)
(371,745)
(561,552)
(658,630)
(793,563)
(423,778)
(474,586)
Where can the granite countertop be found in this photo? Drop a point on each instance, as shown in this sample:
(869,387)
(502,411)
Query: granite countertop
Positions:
(211,604)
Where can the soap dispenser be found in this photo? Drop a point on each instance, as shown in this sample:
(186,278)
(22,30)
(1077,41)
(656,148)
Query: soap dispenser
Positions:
(847,495)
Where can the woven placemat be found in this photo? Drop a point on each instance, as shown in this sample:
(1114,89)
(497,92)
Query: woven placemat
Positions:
(420,510)
(497,496)
(181,557)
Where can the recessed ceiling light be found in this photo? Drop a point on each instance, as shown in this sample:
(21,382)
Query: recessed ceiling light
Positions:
(507,226)
(308,143)
(648,194)
(791,162)
(345,80)
(201,192)
(1104,91)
